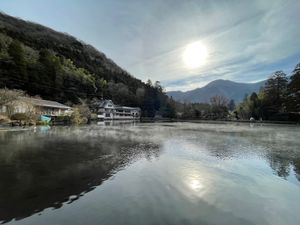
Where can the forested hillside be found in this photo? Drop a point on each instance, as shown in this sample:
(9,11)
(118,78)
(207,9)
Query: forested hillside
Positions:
(59,67)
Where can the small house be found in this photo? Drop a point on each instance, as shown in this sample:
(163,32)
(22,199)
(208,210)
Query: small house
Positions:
(36,106)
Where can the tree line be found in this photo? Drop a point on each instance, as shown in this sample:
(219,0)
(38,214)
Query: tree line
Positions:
(278,99)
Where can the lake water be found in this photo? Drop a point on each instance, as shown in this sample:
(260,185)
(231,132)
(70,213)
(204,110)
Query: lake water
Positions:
(152,173)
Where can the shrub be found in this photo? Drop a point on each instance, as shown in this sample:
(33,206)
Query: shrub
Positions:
(76,117)
(41,123)
(19,116)
(65,119)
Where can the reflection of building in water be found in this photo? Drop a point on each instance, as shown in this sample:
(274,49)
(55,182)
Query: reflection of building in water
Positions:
(117,122)
(106,109)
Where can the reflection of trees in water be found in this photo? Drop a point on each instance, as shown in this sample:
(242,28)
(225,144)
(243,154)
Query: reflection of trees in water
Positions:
(277,148)
(280,165)
(283,155)
(296,164)
(38,171)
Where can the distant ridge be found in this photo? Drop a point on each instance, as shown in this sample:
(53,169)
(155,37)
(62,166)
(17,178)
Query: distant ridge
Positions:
(229,89)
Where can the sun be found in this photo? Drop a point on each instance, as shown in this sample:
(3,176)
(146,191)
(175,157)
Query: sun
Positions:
(194,55)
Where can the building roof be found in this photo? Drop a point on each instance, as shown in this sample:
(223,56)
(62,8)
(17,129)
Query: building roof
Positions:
(126,107)
(45,103)
(103,103)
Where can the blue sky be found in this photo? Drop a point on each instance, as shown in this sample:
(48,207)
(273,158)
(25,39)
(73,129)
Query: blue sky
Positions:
(246,40)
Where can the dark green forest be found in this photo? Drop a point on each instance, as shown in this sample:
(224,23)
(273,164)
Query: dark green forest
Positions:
(57,66)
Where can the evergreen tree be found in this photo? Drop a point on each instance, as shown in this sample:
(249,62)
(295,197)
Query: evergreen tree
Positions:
(158,86)
(231,105)
(293,100)
(255,106)
(275,93)
(251,107)
(169,109)
(19,73)
(149,83)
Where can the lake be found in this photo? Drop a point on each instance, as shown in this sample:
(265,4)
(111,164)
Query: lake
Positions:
(151,173)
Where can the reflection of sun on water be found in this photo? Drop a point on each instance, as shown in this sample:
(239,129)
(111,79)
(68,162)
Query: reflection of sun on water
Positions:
(195,184)
(196,180)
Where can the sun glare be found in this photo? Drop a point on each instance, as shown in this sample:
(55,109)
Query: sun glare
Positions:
(195,55)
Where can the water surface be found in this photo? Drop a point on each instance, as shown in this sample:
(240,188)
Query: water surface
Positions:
(156,173)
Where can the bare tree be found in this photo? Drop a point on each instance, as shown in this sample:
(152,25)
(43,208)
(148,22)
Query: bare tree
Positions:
(219,105)
(7,96)
(8,99)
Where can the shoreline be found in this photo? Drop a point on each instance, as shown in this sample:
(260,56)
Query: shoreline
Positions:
(16,128)
(168,120)
(219,121)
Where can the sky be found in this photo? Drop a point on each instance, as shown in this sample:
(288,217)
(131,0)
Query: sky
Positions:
(246,40)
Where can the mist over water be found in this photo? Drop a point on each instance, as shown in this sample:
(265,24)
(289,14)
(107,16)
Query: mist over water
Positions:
(151,173)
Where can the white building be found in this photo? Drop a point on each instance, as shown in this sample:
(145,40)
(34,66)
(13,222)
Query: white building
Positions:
(106,109)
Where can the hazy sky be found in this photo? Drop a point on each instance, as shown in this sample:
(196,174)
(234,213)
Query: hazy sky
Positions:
(246,40)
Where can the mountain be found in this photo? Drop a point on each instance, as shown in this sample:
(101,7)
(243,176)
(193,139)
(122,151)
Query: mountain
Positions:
(41,37)
(227,88)
(57,66)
